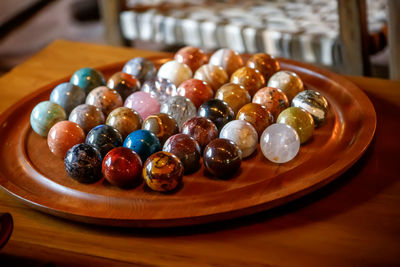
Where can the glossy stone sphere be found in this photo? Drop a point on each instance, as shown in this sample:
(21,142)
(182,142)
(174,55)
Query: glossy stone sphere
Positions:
(234,95)
(124,120)
(279,143)
(215,76)
(266,64)
(163,171)
(87,116)
(251,79)
(122,167)
(218,111)
(124,83)
(314,103)
(143,103)
(88,79)
(175,72)
(191,56)
(141,68)
(300,120)
(159,88)
(44,115)
(180,108)
(64,135)
(242,134)
(200,129)
(288,81)
(104,138)
(105,99)
(162,125)
(228,59)
(186,149)
(143,142)
(222,158)
(196,90)
(273,99)
(68,96)
(83,163)
(257,115)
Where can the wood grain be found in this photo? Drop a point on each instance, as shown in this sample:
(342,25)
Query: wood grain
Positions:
(354,220)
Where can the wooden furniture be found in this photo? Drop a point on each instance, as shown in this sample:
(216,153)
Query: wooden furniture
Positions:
(353,221)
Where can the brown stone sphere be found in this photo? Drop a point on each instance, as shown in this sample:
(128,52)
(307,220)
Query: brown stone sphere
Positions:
(264,63)
(192,56)
(251,79)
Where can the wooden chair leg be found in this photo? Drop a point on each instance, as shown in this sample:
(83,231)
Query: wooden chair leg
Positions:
(110,11)
(394,38)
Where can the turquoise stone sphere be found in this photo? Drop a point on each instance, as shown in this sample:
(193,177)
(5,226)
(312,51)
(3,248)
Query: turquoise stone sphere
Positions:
(88,79)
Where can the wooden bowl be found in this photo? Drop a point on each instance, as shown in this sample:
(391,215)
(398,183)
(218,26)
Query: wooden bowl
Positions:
(30,172)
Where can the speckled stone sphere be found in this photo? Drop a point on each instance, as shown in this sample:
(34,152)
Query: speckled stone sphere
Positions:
(280,143)
(287,81)
(88,79)
(241,133)
(143,69)
(196,90)
(266,64)
(300,120)
(124,83)
(175,72)
(87,116)
(44,115)
(104,138)
(257,115)
(314,103)
(222,158)
(64,135)
(191,56)
(273,99)
(162,125)
(68,96)
(163,171)
(122,167)
(105,99)
(228,59)
(180,108)
(143,103)
(251,79)
(213,75)
(160,88)
(83,163)
(124,120)
(200,129)
(186,149)
(234,95)
(218,111)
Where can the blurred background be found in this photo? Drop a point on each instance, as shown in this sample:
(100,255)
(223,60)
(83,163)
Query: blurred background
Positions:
(303,30)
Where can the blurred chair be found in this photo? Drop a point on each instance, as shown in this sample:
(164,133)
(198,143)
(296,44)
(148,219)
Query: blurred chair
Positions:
(324,32)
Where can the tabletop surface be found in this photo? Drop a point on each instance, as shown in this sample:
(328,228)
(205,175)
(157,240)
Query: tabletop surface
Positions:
(352,221)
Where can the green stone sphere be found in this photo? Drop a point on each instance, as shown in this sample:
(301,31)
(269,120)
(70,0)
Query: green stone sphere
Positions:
(300,120)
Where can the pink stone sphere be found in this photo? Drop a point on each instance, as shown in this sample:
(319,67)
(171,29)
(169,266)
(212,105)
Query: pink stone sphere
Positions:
(143,103)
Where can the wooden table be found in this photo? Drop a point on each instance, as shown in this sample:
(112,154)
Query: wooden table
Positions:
(353,221)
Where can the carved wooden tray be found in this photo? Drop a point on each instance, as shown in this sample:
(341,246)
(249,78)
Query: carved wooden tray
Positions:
(30,172)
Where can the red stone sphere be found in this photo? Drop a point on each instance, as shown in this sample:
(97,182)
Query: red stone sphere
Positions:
(196,90)
(122,167)
(191,56)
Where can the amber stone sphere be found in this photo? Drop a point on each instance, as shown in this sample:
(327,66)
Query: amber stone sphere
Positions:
(257,115)
(251,79)
(125,84)
(234,95)
(192,56)
(162,125)
(163,171)
(273,99)
(264,63)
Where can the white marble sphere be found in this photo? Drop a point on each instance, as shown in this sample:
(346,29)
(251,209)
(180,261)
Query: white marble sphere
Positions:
(242,134)
(175,71)
(280,143)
